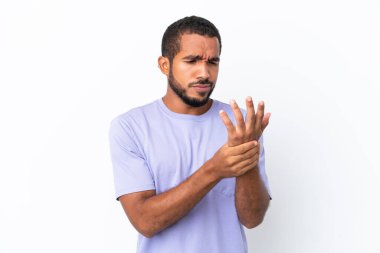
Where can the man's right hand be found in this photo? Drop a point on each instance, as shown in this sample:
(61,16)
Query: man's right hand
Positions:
(234,161)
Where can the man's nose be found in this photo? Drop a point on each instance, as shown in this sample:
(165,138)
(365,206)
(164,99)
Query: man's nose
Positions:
(203,71)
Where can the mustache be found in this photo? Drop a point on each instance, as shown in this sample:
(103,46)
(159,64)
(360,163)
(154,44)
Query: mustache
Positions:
(202,81)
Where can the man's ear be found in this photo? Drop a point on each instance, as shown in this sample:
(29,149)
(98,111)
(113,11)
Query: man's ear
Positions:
(164,65)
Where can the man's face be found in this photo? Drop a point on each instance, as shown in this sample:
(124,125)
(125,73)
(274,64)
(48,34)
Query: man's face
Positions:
(194,70)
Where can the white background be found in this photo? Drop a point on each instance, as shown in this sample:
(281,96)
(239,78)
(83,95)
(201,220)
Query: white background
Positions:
(68,67)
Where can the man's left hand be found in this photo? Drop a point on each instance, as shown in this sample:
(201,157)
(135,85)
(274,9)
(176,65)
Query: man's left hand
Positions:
(248,130)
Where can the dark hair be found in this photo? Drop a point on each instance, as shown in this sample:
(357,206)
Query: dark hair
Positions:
(171,41)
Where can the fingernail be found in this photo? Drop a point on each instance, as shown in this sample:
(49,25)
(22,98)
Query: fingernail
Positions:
(221,111)
(249,99)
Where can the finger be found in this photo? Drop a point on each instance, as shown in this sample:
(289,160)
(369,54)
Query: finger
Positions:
(252,150)
(227,122)
(249,167)
(247,156)
(246,165)
(259,116)
(238,117)
(243,148)
(265,122)
(245,170)
(250,116)
(250,153)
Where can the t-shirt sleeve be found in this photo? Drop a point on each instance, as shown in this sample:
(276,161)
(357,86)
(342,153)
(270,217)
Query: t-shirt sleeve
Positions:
(262,166)
(130,170)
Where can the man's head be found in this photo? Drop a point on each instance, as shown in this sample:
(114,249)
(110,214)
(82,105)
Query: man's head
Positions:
(190,59)
(171,41)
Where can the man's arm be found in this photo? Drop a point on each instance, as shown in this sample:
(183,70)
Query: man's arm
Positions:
(251,198)
(150,213)
(251,195)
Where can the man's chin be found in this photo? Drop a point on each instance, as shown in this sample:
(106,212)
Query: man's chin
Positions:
(195,102)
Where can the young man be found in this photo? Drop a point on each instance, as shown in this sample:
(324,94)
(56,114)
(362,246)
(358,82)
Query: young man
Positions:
(186,176)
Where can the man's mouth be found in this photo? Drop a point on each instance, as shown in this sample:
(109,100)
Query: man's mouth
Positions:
(201,87)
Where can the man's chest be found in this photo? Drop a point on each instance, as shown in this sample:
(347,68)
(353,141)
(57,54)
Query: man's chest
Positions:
(174,153)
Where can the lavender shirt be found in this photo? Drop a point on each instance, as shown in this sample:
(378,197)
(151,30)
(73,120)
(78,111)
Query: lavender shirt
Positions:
(153,148)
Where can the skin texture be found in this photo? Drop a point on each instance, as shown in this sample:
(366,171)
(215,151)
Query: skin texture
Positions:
(197,61)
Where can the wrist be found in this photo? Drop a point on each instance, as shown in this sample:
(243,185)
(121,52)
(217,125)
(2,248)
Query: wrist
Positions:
(210,171)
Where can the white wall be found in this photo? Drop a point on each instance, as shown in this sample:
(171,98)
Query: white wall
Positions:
(68,67)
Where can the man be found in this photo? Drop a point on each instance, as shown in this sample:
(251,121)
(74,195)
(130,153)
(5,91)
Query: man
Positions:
(186,176)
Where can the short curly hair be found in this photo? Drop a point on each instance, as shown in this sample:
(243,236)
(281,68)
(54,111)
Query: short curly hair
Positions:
(171,40)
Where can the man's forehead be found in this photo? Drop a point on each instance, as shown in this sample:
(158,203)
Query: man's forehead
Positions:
(199,45)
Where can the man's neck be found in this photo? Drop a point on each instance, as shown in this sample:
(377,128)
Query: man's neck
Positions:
(175,104)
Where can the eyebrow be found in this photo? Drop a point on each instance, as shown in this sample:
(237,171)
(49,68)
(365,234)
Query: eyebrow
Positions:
(198,57)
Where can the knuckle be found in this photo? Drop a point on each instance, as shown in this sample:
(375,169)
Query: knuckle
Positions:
(235,137)
(229,162)
(236,140)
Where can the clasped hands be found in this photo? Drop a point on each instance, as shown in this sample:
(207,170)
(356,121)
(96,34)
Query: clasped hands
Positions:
(242,151)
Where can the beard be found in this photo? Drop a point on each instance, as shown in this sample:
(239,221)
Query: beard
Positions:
(181,93)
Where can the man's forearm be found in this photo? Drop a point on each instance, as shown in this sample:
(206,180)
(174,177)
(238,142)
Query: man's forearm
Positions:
(251,198)
(160,211)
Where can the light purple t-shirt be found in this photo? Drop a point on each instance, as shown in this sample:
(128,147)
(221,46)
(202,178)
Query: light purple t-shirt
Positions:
(155,148)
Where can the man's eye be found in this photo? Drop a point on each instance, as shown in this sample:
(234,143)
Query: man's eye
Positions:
(213,62)
(191,61)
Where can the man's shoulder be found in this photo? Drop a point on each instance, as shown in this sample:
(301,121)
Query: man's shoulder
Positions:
(220,104)
(137,113)
(137,118)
